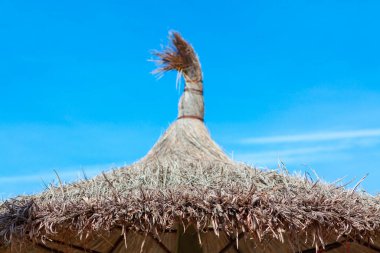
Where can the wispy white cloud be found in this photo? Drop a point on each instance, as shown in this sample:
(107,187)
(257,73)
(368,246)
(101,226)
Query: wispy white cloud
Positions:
(313,137)
(302,155)
(66,174)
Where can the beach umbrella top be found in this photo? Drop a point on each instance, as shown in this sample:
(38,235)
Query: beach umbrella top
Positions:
(187,182)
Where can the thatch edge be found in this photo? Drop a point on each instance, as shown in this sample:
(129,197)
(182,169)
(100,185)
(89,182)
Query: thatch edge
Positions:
(321,210)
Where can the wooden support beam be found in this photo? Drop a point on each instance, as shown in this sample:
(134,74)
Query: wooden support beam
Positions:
(160,244)
(188,241)
(43,246)
(72,246)
(336,245)
(116,244)
(369,245)
(232,243)
(327,248)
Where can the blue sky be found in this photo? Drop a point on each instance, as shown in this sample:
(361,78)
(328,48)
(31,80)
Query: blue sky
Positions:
(296,81)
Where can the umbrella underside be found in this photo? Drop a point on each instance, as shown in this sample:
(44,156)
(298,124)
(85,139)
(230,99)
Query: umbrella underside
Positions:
(175,241)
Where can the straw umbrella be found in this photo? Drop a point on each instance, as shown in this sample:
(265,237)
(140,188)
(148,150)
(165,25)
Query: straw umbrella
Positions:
(187,195)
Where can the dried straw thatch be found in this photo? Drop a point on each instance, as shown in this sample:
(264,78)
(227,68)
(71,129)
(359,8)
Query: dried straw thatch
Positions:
(186,195)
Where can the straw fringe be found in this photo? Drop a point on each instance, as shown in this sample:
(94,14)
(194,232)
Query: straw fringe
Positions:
(263,204)
(179,56)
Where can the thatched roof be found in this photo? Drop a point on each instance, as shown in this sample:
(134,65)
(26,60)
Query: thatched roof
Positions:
(187,181)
